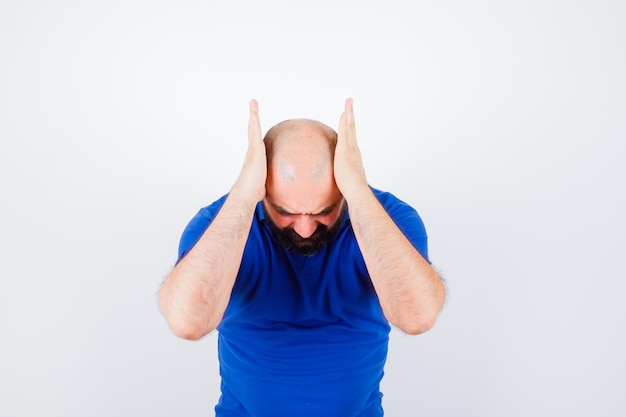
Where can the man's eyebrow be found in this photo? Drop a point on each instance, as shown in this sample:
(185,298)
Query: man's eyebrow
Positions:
(326,210)
(323,211)
(281,209)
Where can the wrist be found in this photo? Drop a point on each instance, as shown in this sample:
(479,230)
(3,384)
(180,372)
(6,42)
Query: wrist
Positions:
(242,198)
(358,194)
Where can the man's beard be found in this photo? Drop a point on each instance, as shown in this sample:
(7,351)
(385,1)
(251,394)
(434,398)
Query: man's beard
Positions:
(293,242)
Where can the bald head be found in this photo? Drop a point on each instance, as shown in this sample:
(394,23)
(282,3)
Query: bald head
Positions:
(303,204)
(299,149)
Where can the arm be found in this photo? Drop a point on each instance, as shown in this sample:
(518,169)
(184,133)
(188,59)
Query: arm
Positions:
(195,294)
(410,292)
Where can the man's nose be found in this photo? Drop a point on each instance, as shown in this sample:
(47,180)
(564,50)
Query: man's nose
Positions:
(305,226)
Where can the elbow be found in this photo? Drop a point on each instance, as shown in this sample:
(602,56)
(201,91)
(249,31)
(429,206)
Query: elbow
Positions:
(184,325)
(188,327)
(416,321)
(187,331)
(416,325)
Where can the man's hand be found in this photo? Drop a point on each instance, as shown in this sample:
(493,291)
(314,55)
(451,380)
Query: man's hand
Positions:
(410,292)
(349,171)
(251,181)
(196,293)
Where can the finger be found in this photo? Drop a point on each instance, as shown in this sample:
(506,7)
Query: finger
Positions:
(350,129)
(342,131)
(343,121)
(349,107)
(254,123)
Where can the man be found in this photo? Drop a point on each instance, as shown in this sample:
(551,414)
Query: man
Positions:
(301,267)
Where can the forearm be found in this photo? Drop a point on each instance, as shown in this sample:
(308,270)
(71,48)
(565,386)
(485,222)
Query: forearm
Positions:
(195,295)
(410,292)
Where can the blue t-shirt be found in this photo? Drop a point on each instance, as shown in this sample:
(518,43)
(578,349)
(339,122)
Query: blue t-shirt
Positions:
(303,335)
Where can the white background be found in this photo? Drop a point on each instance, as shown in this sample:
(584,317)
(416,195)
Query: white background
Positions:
(501,122)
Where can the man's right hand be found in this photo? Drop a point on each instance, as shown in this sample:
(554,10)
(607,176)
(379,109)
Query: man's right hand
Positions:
(251,181)
(196,293)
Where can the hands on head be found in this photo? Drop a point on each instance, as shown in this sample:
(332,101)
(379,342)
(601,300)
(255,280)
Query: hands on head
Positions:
(348,165)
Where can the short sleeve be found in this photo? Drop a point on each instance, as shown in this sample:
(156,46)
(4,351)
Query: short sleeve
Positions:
(407,219)
(197,226)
